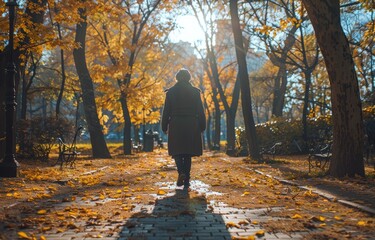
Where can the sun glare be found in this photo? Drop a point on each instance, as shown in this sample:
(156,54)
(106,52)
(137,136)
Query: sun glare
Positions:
(188,30)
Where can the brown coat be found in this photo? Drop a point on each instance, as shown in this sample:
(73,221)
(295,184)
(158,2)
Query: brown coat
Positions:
(184,119)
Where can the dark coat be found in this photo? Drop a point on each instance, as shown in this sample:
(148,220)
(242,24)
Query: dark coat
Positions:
(184,119)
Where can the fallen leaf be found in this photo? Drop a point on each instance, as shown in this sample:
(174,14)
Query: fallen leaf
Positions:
(245,193)
(260,233)
(23,235)
(361,223)
(41,212)
(243,238)
(163,174)
(44,229)
(295,216)
(232,224)
(338,218)
(161,192)
(244,222)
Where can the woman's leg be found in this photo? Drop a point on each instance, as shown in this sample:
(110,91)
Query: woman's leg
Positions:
(179,160)
(186,170)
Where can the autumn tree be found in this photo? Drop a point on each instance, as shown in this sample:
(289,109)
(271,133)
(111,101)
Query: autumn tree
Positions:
(124,52)
(243,76)
(220,71)
(358,21)
(347,156)
(29,37)
(275,24)
(262,81)
(305,57)
(99,147)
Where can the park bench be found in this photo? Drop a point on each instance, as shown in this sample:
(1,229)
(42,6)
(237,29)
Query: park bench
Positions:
(68,153)
(137,147)
(320,157)
(272,150)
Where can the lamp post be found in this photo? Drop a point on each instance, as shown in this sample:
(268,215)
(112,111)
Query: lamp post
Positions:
(9,165)
(144,125)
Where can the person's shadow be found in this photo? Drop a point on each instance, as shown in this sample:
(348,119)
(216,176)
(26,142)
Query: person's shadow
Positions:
(176,217)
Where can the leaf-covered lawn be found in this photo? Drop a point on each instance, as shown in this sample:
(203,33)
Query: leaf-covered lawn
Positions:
(47,200)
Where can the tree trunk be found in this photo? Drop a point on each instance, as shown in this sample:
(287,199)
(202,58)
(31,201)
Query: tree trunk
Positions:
(281,78)
(77,115)
(217,125)
(217,111)
(245,84)
(279,92)
(99,147)
(63,76)
(305,110)
(127,125)
(136,129)
(35,17)
(231,118)
(347,156)
(208,124)
(231,134)
(2,103)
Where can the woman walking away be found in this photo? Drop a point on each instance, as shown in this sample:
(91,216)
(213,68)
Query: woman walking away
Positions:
(184,121)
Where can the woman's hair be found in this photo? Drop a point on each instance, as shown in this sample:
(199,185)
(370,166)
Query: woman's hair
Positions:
(183,75)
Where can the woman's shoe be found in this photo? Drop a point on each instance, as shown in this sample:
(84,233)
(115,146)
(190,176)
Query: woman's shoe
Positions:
(180,180)
(187,188)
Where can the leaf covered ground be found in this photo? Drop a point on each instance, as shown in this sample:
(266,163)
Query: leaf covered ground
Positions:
(46,200)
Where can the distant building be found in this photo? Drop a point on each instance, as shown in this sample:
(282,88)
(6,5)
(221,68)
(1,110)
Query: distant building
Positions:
(225,47)
(183,49)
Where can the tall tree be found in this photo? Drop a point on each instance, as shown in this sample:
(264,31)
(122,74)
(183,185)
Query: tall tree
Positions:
(30,33)
(126,47)
(347,156)
(280,17)
(99,146)
(218,46)
(204,14)
(62,61)
(243,76)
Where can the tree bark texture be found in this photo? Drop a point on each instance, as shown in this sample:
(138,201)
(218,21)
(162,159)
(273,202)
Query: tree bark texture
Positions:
(63,75)
(231,118)
(37,18)
(245,84)
(305,110)
(99,147)
(347,156)
(2,103)
(127,142)
(217,111)
(279,90)
(281,78)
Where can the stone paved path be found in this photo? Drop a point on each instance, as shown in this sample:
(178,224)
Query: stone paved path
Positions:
(177,215)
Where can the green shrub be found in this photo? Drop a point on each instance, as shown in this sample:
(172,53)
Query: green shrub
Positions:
(289,134)
(37,136)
